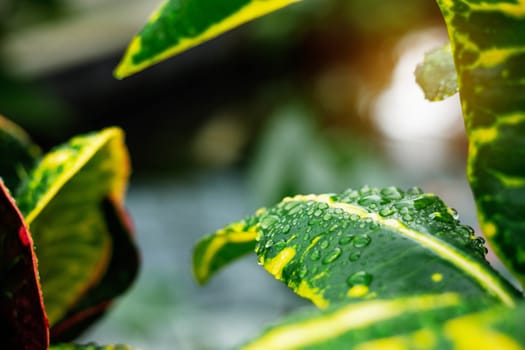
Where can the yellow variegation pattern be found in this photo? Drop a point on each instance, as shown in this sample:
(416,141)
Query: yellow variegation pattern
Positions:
(180,25)
(62,204)
(488,42)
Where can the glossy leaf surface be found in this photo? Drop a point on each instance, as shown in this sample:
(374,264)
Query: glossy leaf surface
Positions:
(17,153)
(444,321)
(368,243)
(121,272)
(63,204)
(182,24)
(23,322)
(488,42)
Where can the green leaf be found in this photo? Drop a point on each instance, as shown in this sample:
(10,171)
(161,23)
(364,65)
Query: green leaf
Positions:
(369,243)
(120,274)
(89,347)
(17,153)
(62,204)
(182,24)
(488,43)
(444,321)
(437,74)
(221,248)
(23,322)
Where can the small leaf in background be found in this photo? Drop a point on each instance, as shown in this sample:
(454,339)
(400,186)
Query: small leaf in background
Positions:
(179,25)
(370,243)
(17,153)
(89,347)
(488,43)
(443,321)
(62,202)
(437,74)
(121,272)
(23,323)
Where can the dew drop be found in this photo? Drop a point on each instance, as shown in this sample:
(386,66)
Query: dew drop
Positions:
(360,278)
(391,193)
(315,255)
(373,199)
(423,202)
(318,213)
(361,241)
(289,206)
(408,218)
(327,217)
(323,206)
(324,244)
(414,191)
(268,221)
(345,240)
(333,256)
(333,228)
(437,216)
(286,228)
(268,244)
(303,271)
(354,256)
(365,190)
(387,211)
(314,222)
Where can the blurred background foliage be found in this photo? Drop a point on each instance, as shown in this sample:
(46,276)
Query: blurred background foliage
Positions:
(317,97)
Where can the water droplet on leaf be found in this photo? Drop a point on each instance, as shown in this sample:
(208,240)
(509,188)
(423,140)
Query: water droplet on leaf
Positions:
(387,211)
(345,240)
(333,256)
(361,241)
(354,256)
(315,255)
(360,278)
(268,221)
(391,193)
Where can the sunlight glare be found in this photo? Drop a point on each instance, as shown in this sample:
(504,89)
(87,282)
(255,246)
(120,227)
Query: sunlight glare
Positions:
(401,111)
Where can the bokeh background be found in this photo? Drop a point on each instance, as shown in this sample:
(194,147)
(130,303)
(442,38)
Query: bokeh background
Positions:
(318,97)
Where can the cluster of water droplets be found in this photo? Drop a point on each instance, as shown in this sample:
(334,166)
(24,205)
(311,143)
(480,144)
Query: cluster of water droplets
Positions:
(419,211)
(326,239)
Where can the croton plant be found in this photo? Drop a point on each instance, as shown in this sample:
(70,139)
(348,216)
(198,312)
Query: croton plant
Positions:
(386,268)
(66,247)
(390,268)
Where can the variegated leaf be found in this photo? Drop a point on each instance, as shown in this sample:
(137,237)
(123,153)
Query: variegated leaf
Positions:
(62,204)
(488,42)
(363,244)
(442,321)
(23,322)
(217,250)
(182,24)
(119,275)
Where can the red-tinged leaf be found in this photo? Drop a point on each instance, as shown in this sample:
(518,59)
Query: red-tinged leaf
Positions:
(23,321)
(120,274)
